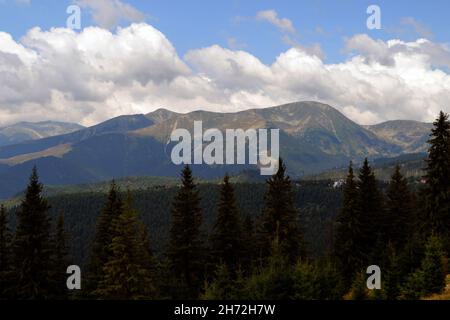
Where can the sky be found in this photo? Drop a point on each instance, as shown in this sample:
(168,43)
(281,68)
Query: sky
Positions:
(131,56)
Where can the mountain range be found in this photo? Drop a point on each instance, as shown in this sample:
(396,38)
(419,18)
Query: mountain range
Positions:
(314,137)
(24,131)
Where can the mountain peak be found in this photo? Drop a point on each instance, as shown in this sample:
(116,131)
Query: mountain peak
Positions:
(160,115)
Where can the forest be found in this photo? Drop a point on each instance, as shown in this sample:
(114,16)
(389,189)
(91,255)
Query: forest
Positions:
(277,240)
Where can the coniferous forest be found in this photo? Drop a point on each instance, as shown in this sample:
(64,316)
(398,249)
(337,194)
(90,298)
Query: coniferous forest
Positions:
(280,240)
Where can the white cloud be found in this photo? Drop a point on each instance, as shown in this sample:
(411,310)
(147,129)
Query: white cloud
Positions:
(108,13)
(96,74)
(271,16)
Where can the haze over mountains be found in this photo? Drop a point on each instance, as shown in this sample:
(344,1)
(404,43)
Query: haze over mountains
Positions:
(24,131)
(313,137)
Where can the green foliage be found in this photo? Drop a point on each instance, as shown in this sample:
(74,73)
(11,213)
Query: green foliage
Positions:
(185,247)
(60,259)
(437,193)
(32,248)
(5,252)
(127,272)
(226,286)
(273,281)
(280,218)
(371,216)
(430,278)
(348,229)
(101,249)
(400,211)
(392,275)
(227,238)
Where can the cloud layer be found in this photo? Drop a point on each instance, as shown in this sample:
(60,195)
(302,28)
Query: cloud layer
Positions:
(96,74)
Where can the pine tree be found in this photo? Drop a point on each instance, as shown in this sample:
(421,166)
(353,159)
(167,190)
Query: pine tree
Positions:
(5,254)
(60,260)
(437,193)
(399,211)
(100,251)
(127,272)
(280,215)
(430,278)
(348,229)
(369,205)
(185,247)
(433,266)
(227,231)
(32,244)
(393,276)
(273,281)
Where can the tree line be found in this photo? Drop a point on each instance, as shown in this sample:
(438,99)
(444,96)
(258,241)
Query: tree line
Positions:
(404,231)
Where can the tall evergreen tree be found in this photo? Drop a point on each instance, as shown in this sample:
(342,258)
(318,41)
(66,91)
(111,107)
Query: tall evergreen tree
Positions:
(101,249)
(399,211)
(227,231)
(348,230)
(185,247)
(60,259)
(369,205)
(5,254)
(437,193)
(280,214)
(32,245)
(127,272)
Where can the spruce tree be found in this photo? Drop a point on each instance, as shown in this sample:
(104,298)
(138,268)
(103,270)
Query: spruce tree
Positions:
(437,194)
(127,272)
(5,254)
(348,230)
(430,278)
(280,215)
(434,266)
(227,231)
(185,247)
(372,219)
(399,211)
(32,245)
(60,259)
(392,275)
(100,250)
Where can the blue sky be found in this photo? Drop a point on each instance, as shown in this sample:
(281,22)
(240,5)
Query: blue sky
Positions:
(201,23)
(222,56)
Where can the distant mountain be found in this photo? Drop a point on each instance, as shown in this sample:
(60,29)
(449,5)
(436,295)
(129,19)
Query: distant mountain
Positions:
(313,137)
(410,136)
(24,131)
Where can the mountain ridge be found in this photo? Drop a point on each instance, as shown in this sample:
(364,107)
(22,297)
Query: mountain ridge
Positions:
(313,137)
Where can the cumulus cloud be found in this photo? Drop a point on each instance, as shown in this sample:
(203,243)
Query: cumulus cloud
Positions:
(96,74)
(108,13)
(271,16)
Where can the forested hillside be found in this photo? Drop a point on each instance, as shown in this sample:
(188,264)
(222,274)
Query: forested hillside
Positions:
(280,239)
